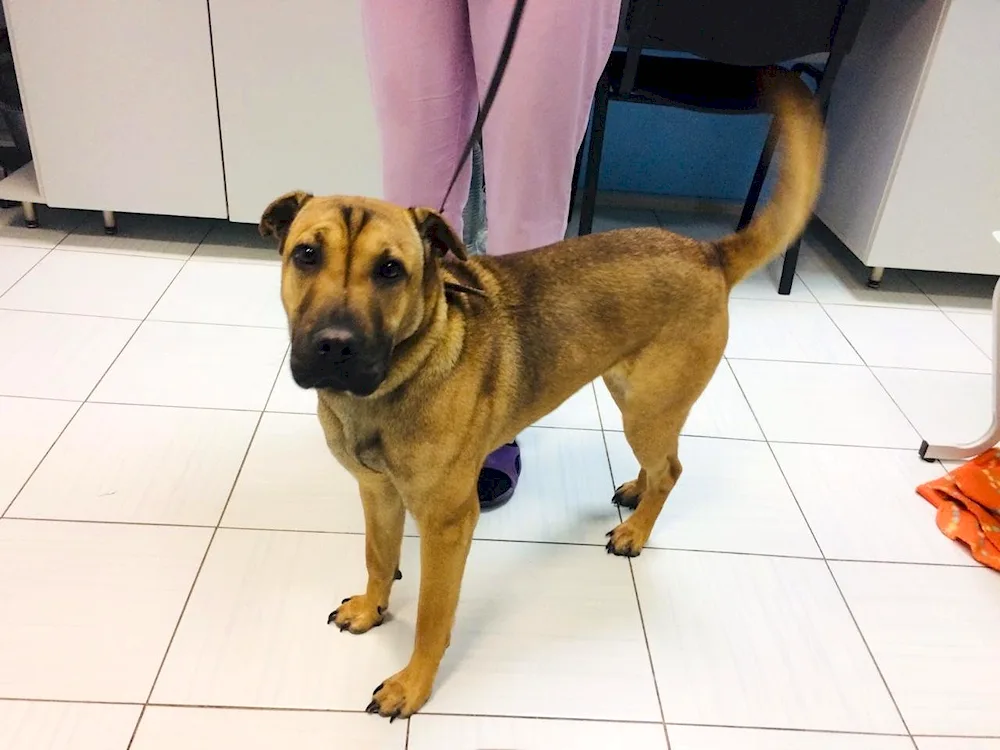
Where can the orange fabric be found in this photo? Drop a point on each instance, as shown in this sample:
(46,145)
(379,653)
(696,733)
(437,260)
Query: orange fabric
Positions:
(968,506)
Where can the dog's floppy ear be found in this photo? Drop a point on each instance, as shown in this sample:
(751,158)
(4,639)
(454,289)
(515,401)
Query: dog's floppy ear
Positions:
(278,217)
(437,233)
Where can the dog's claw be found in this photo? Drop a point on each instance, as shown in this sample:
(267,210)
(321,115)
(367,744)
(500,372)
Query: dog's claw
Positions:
(395,715)
(381,685)
(372,708)
(398,576)
(332,617)
(345,601)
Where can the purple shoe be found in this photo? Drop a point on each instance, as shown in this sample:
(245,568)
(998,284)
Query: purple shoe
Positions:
(499,475)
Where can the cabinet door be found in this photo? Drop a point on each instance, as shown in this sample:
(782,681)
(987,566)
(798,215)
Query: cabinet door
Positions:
(944,203)
(294,101)
(120,98)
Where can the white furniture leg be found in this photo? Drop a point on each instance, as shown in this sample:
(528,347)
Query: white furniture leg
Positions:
(110,222)
(930,452)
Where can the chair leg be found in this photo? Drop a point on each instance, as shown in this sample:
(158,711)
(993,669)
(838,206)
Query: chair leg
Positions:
(937,451)
(788,267)
(576,181)
(601,100)
(757,183)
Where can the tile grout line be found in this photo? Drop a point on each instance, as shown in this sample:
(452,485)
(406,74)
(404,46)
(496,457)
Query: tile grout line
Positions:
(145,319)
(30,268)
(208,547)
(135,729)
(649,651)
(194,581)
(631,569)
(871,653)
(697,436)
(826,562)
(82,403)
(580,719)
(861,363)
(971,565)
(142,711)
(989,355)
(878,379)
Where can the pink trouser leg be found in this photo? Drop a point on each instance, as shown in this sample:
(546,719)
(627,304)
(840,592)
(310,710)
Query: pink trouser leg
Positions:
(430,62)
(540,115)
(424,88)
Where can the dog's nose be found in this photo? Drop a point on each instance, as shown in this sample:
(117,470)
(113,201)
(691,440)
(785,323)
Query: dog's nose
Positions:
(338,344)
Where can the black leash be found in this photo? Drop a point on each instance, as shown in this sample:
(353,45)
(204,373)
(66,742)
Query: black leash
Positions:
(491,93)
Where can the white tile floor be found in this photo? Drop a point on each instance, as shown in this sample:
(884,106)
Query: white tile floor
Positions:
(174,531)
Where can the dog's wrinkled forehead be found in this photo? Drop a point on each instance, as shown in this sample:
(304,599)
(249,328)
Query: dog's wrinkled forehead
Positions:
(339,221)
(302,217)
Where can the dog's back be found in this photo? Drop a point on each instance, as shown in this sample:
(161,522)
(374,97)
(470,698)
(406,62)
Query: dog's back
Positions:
(580,307)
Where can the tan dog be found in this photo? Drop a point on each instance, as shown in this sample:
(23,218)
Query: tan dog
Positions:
(425,364)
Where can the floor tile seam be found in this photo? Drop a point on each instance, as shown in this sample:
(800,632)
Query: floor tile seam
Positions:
(499,716)
(143,319)
(204,558)
(922,369)
(971,565)
(871,653)
(988,355)
(829,569)
(128,252)
(882,385)
(861,363)
(76,412)
(31,268)
(211,541)
(66,426)
(912,276)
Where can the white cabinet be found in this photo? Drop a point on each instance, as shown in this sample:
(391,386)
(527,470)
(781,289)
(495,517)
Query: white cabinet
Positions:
(914,169)
(294,101)
(120,101)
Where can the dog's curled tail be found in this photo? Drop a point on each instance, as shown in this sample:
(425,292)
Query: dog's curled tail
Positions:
(802,142)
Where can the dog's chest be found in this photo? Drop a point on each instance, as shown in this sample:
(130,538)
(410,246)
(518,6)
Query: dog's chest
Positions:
(359,442)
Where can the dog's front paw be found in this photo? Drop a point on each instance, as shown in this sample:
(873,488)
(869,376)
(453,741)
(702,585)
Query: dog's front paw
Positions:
(625,540)
(400,696)
(357,615)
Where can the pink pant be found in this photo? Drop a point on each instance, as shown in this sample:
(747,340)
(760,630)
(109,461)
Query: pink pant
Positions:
(430,63)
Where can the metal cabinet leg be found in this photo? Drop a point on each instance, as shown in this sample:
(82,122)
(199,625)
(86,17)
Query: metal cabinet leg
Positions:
(875,277)
(30,215)
(991,437)
(110,222)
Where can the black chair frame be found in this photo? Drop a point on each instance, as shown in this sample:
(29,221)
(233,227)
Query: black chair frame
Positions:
(706,86)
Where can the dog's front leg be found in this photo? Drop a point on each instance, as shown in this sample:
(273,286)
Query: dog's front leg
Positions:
(384,518)
(445,535)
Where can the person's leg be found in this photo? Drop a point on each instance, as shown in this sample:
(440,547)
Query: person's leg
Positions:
(532,135)
(425,94)
(423,83)
(540,115)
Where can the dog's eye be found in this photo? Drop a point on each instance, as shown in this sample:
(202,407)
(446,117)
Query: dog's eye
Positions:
(305,256)
(389,270)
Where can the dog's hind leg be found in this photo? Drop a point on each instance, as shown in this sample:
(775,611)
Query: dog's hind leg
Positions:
(626,495)
(655,391)
(654,443)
